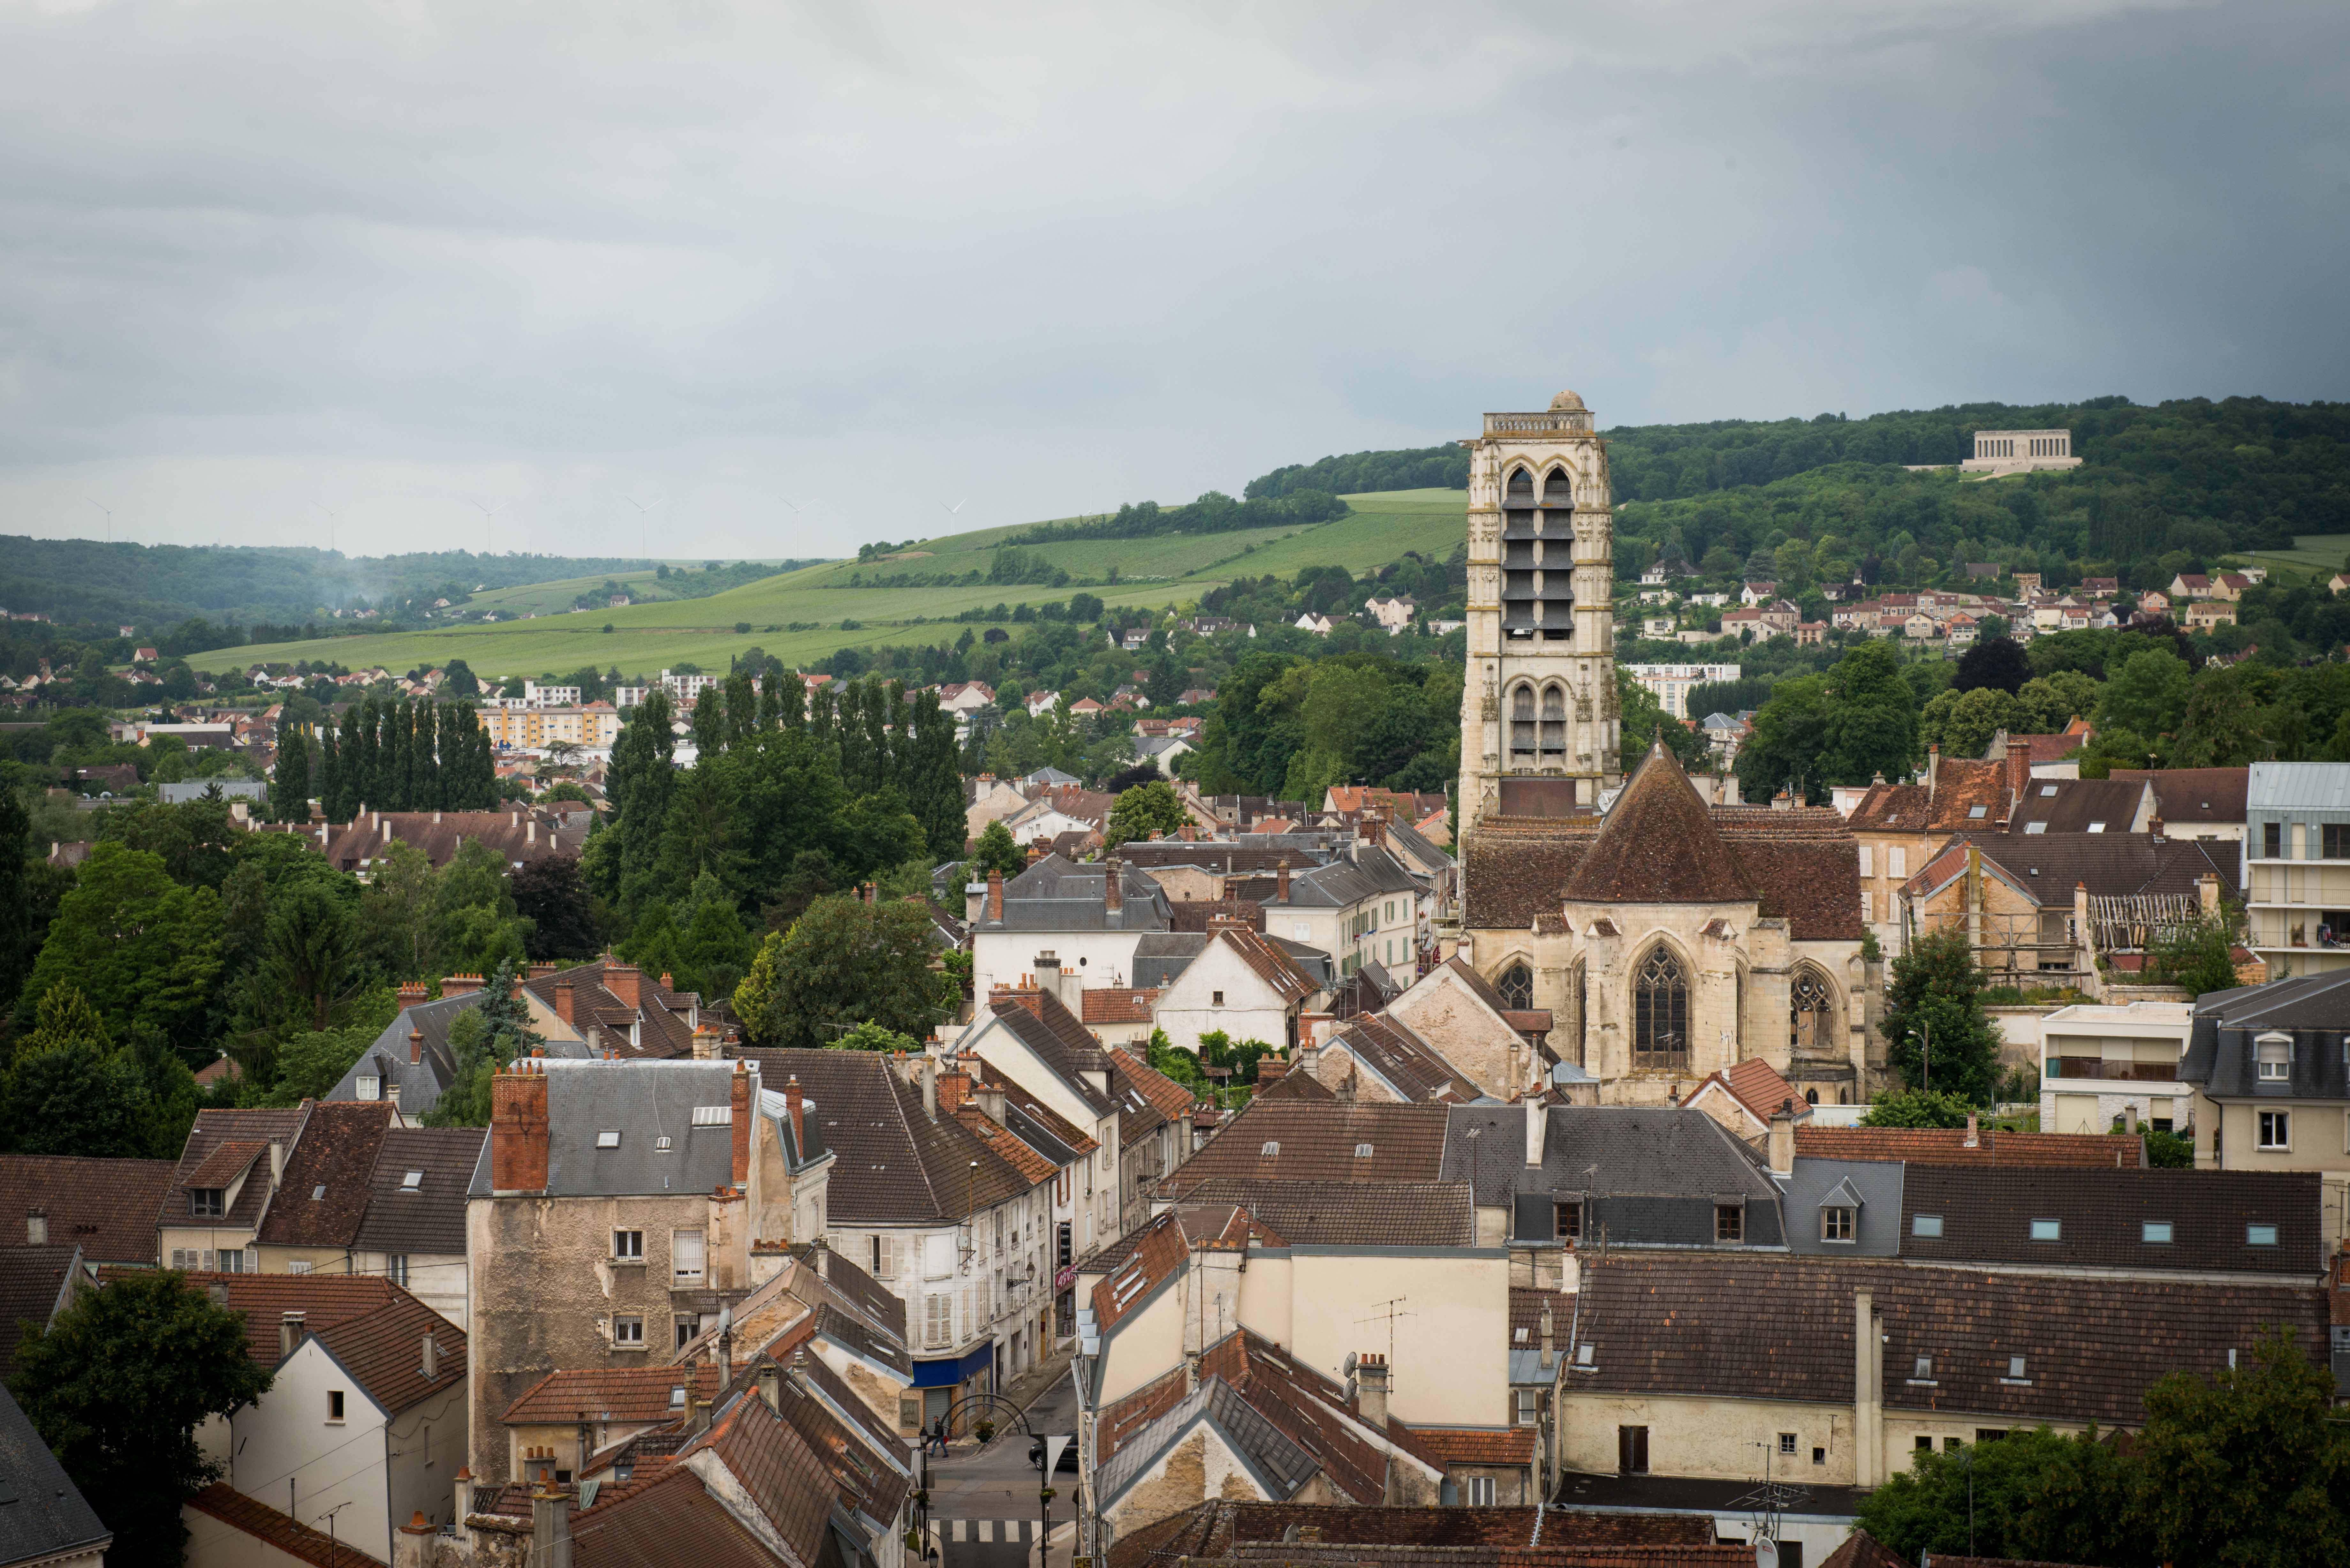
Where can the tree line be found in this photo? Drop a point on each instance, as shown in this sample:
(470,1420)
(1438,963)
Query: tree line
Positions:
(393,755)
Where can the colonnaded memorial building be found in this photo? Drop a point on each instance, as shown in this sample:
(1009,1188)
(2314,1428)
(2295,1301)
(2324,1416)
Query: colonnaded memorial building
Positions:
(1668,938)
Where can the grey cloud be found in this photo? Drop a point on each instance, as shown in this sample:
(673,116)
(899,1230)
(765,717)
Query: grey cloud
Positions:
(255,255)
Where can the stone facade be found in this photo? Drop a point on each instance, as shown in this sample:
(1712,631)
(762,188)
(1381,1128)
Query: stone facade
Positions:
(1538,709)
(2020,452)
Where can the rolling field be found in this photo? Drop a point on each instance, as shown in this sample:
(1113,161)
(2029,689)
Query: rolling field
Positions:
(1167,570)
(2319,553)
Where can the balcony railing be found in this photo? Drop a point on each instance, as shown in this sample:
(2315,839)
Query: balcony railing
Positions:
(2122,1072)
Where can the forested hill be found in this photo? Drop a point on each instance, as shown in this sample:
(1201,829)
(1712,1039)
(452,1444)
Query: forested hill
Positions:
(2286,466)
(87,580)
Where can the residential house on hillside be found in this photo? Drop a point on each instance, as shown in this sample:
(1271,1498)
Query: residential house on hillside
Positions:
(227,1172)
(621,1202)
(1088,918)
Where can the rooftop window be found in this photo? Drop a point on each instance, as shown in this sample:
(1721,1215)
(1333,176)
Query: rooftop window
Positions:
(1362,1152)
(412,1181)
(2155,1233)
(2260,1235)
(714,1116)
(608,1138)
(1924,1225)
(2048,1230)
(1272,1146)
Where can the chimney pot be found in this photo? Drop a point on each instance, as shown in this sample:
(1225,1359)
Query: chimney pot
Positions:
(793,1102)
(415,1048)
(996,895)
(930,1087)
(1371,1391)
(740,1085)
(1974,1134)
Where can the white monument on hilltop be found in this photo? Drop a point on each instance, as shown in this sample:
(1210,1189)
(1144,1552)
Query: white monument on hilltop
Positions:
(2020,452)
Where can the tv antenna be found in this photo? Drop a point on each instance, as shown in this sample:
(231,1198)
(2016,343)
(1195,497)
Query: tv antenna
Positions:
(1388,1311)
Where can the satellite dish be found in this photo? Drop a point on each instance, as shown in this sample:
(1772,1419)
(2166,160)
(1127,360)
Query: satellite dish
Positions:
(1766,1553)
(1351,1362)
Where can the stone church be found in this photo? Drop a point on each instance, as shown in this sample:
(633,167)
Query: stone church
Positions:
(1667,939)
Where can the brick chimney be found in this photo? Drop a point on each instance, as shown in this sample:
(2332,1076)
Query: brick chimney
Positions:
(668,983)
(2019,775)
(705,1042)
(623,981)
(1281,884)
(1270,1070)
(1782,1138)
(415,1048)
(518,1152)
(414,992)
(562,1003)
(793,1102)
(1371,1390)
(996,895)
(1974,1133)
(742,1085)
(460,984)
(1025,994)
(1114,886)
(954,1090)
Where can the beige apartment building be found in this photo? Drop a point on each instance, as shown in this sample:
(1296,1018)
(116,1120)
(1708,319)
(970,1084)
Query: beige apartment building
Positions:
(592,724)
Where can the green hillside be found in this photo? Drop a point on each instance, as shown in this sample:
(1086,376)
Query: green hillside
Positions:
(797,616)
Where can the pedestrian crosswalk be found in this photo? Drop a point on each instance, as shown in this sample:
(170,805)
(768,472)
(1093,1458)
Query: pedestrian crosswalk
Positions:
(992,1530)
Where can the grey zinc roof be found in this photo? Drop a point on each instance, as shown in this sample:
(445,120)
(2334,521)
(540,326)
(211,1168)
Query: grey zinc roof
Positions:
(1600,1151)
(1282,1467)
(420,1085)
(1875,1183)
(1384,871)
(44,1516)
(2221,1053)
(1160,956)
(1331,887)
(1314,962)
(1056,895)
(2298,786)
(643,1101)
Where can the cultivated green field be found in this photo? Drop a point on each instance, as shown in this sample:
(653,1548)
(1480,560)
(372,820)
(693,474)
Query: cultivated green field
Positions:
(2319,554)
(1171,569)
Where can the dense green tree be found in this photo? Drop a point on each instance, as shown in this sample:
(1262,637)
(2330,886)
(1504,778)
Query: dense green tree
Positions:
(1790,733)
(2050,702)
(313,1061)
(995,850)
(1145,809)
(2213,1487)
(1994,661)
(1937,1031)
(1644,720)
(2146,694)
(2200,956)
(289,784)
(327,782)
(200,842)
(932,779)
(1917,1108)
(493,1032)
(144,949)
(1871,722)
(640,780)
(710,720)
(844,963)
(117,1389)
(313,956)
(2219,726)
(1963,722)
(476,926)
(75,1099)
(1989,1500)
(20,936)
(551,894)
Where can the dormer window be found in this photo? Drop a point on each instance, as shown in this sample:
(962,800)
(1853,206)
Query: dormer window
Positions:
(1836,1225)
(206,1202)
(370,1087)
(2275,1057)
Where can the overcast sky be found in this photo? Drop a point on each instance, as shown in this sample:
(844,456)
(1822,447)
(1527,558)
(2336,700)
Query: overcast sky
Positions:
(789,278)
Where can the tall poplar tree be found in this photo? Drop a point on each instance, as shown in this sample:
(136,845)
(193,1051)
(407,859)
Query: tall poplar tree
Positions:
(329,780)
(710,720)
(934,780)
(742,709)
(289,784)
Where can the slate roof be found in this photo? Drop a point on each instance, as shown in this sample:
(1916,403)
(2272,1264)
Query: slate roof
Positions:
(1058,895)
(2222,1057)
(1279,1464)
(894,1166)
(1352,1213)
(643,1101)
(1877,1221)
(1160,956)
(428,1218)
(1987,1217)
(1152,1256)
(1599,1151)
(1660,844)
(45,1515)
(213,1128)
(383,1350)
(439,834)
(274,1530)
(35,1284)
(1764,1326)
(328,1175)
(1060,1040)
(423,1083)
(1316,1141)
(2194,796)
(662,1020)
(1414,1069)
(2073,805)
(861,1296)
(105,1206)
(1948,1145)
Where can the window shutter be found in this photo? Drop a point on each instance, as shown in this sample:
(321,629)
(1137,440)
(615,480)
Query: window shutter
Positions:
(1867,851)
(211,1260)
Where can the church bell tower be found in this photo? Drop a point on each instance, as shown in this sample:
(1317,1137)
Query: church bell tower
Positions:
(1538,711)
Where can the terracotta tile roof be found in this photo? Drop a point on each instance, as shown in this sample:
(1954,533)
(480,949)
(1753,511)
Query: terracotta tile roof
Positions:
(2101,1213)
(384,1350)
(782,1476)
(1861,1550)
(1338,1213)
(2047,866)
(1026,1160)
(515,837)
(672,1518)
(2337,1293)
(622,1394)
(1294,1086)
(1272,965)
(1948,1145)
(1444,1447)
(2077,805)
(265,1524)
(1155,1254)
(1221,1529)
(1525,1313)
(1037,1111)
(105,1206)
(213,1128)
(328,1175)
(1113,1005)
(1286,1139)
(1669,848)
(1172,1099)
(323,1300)
(1961,784)
(819,1407)
(1059,1039)
(1763,1328)
(663,1019)
(1757,1086)
(225,1163)
(1312,1412)
(429,1217)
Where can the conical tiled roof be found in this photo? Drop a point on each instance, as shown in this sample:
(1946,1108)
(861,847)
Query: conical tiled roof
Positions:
(1658,846)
